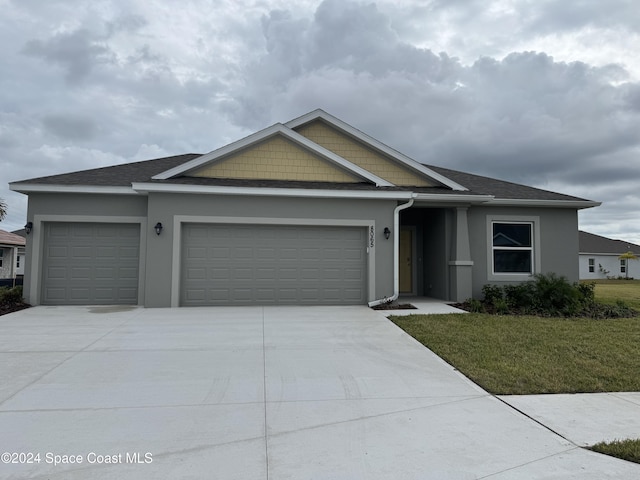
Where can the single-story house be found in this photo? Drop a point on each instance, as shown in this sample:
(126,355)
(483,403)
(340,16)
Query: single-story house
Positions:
(600,257)
(12,252)
(312,211)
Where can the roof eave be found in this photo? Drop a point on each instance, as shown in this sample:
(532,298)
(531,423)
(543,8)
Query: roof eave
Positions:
(526,202)
(145,188)
(453,198)
(27,188)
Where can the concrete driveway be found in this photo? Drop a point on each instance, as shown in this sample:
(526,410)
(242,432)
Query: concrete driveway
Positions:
(255,393)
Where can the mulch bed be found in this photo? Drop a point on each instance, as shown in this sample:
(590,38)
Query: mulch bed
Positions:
(394,306)
(12,307)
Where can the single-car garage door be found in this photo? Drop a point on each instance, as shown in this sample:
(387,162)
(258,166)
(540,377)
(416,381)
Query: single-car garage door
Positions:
(90,263)
(272,264)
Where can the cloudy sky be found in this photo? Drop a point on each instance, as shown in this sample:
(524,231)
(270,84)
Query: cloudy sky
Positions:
(544,92)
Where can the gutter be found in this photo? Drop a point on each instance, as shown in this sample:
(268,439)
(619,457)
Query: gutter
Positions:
(396,254)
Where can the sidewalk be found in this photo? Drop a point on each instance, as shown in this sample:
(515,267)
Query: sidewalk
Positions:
(584,418)
(424,306)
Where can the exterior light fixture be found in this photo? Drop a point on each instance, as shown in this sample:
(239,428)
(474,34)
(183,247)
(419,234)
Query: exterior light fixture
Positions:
(387,233)
(158,228)
(28,227)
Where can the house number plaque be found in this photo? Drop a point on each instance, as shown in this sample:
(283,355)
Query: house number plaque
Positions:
(372,236)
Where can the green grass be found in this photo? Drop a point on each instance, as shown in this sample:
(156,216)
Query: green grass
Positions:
(610,291)
(533,355)
(624,449)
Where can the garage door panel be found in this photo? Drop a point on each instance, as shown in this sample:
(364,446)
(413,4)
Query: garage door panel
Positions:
(273,264)
(90,263)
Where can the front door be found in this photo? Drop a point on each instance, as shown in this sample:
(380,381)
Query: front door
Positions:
(406,260)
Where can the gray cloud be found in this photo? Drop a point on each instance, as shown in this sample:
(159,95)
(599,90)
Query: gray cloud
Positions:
(70,127)
(78,52)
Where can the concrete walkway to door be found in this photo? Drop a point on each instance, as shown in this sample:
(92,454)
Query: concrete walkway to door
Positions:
(256,393)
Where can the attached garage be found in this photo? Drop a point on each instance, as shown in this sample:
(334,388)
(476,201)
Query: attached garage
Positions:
(90,263)
(241,264)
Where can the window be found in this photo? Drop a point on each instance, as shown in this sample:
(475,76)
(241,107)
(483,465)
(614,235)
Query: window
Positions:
(512,247)
(1,256)
(592,265)
(513,244)
(623,265)
(18,261)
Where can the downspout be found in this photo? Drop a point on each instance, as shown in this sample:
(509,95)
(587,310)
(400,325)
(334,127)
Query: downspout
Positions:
(396,254)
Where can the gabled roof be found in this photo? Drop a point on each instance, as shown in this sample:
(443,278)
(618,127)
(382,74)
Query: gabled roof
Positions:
(376,145)
(262,135)
(596,244)
(7,238)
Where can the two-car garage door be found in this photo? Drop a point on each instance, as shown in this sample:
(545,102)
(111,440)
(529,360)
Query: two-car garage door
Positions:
(236,264)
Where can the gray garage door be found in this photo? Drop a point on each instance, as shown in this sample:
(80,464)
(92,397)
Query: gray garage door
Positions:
(245,264)
(90,263)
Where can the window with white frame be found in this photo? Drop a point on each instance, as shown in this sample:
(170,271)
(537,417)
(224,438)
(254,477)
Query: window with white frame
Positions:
(623,265)
(512,247)
(592,265)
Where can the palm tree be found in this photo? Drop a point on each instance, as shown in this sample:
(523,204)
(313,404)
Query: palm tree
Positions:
(3,209)
(626,257)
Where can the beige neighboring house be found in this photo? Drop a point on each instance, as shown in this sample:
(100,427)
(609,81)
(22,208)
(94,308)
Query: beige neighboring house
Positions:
(12,254)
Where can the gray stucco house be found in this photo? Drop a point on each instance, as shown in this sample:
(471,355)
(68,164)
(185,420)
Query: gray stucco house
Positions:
(312,211)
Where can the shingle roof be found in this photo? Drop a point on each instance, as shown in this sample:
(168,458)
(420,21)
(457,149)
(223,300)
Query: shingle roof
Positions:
(591,243)
(500,188)
(142,172)
(115,176)
(7,238)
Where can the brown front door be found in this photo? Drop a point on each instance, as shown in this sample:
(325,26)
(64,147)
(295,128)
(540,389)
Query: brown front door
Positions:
(406,260)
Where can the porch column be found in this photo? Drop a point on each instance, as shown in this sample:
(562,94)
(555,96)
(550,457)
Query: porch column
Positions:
(460,265)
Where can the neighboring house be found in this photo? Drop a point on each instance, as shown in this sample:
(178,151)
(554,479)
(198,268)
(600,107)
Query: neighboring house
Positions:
(12,253)
(599,258)
(312,211)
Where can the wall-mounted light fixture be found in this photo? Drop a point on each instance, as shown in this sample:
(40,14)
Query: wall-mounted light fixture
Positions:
(28,227)
(158,228)
(387,233)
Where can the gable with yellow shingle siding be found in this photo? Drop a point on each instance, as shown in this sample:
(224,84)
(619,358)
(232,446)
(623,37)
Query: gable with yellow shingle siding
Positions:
(276,159)
(357,153)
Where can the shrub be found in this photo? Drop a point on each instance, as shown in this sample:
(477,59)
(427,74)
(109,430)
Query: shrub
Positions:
(522,297)
(556,296)
(492,294)
(474,305)
(10,296)
(548,295)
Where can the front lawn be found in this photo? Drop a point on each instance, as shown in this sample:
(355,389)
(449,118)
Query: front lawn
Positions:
(612,291)
(509,354)
(626,449)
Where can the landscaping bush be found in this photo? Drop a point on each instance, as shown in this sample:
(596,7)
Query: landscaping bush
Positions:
(11,300)
(548,295)
(10,295)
